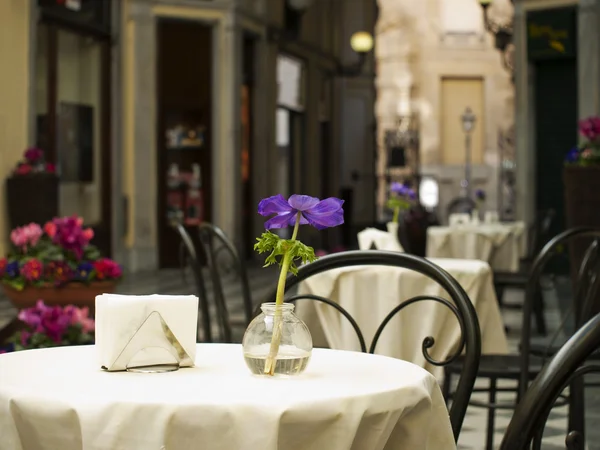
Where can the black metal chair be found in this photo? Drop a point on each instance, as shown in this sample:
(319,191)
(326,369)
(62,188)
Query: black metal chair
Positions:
(461,205)
(538,235)
(188,257)
(224,262)
(524,367)
(461,306)
(527,425)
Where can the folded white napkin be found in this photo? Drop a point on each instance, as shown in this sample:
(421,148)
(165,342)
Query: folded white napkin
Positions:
(382,240)
(145,330)
(459,219)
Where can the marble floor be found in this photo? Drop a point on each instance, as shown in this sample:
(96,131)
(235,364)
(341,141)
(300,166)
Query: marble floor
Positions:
(474,429)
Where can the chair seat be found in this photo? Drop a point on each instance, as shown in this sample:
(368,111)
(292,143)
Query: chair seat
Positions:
(517,279)
(500,366)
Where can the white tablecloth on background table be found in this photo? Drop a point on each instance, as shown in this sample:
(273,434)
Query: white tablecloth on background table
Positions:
(59,399)
(500,244)
(369,293)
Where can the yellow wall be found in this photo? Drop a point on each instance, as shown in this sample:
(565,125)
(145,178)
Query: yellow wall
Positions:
(458,94)
(14,94)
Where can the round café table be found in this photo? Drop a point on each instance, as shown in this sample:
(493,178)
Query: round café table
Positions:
(60,399)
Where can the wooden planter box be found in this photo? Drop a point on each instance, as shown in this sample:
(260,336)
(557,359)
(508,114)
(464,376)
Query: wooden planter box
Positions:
(78,294)
(582,207)
(32,198)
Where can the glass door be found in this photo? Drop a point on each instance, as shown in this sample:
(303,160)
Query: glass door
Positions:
(73,122)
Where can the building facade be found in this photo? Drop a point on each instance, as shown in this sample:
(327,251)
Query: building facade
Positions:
(434,60)
(557,80)
(258,92)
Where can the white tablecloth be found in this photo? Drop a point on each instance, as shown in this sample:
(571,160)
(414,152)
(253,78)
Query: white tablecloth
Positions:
(59,399)
(369,293)
(500,244)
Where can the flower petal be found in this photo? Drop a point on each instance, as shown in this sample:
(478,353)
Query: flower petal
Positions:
(322,221)
(281,220)
(327,206)
(302,202)
(325,214)
(276,204)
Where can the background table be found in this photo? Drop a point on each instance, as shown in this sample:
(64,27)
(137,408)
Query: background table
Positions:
(500,244)
(369,293)
(60,399)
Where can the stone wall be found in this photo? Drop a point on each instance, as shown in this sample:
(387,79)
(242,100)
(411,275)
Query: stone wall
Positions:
(420,45)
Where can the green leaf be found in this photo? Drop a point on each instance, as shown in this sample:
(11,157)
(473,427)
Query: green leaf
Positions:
(16,283)
(302,252)
(270,242)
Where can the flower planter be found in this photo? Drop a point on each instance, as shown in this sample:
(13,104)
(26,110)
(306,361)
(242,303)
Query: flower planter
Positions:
(582,207)
(31,198)
(78,294)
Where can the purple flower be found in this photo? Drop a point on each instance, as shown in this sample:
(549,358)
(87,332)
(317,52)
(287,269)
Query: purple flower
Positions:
(320,214)
(12,269)
(480,194)
(573,155)
(402,190)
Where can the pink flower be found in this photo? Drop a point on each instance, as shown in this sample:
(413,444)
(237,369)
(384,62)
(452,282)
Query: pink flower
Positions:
(32,270)
(70,236)
(80,316)
(590,128)
(88,234)
(29,235)
(25,335)
(33,155)
(50,168)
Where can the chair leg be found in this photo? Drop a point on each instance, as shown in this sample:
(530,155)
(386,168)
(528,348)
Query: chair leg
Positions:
(499,288)
(446,386)
(538,310)
(491,415)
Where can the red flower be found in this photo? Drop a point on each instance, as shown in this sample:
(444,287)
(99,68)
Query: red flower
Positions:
(23,169)
(50,168)
(59,272)
(32,270)
(107,269)
(50,229)
(3,263)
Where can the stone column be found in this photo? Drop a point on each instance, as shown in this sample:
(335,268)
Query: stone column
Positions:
(588,57)
(525,151)
(139,150)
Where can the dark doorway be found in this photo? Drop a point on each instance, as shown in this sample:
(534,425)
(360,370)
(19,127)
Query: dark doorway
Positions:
(556,131)
(247,96)
(184,145)
(73,104)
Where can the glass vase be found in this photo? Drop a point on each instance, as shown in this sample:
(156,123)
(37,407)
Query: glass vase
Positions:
(295,346)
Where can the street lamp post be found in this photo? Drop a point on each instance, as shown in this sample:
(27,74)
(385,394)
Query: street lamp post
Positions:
(468,122)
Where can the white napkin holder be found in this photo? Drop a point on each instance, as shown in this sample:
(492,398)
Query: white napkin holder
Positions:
(374,239)
(146,333)
(457,219)
(491,217)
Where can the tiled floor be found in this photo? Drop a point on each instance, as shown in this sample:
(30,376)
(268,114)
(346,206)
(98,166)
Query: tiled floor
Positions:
(474,429)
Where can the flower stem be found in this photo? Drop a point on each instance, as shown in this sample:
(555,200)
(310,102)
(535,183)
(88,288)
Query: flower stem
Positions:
(396,214)
(271,360)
